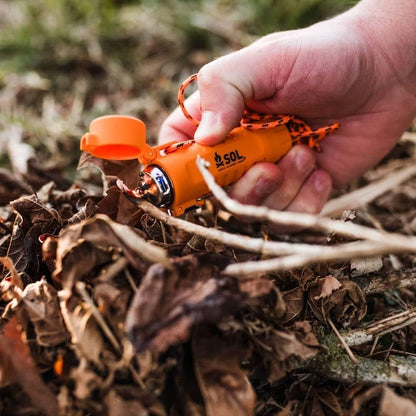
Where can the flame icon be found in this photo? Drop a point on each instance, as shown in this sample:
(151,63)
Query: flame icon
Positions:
(218,160)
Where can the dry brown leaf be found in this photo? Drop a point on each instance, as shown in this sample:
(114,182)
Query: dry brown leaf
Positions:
(345,306)
(224,385)
(37,219)
(329,285)
(118,406)
(117,207)
(384,402)
(16,365)
(196,244)
(85,333)
(394,405)
(70,196)
(126,170)
(91,244)
(295,302)
(40,301)
(33,211)
(155,229)
(11,187)
(49,245)
(288,346)
(360,267)
(317,400)
(169,303)
(88,210)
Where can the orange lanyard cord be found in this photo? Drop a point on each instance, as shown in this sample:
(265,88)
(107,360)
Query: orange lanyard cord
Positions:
(298,129)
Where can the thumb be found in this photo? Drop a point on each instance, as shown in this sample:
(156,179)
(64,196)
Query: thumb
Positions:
(222,104)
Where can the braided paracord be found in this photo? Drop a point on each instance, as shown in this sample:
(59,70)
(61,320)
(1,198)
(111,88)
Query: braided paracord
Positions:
(298,129)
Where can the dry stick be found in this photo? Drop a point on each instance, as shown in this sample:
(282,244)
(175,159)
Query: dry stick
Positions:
(342,341)
(396,371)
(386,281)
(263,213)
(308,254)
(326,254)
(382,242)
(316,253)
(97,315)
(147,250)
(258,245)
(373,348)
(255,245)
(377,329)
(409,136)
(113,269)
(367,193)
(130,279)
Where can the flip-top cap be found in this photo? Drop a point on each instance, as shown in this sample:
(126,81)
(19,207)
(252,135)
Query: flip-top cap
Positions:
(116,137)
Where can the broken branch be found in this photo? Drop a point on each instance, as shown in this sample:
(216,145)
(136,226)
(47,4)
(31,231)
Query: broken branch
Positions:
(392,323)
(262,213)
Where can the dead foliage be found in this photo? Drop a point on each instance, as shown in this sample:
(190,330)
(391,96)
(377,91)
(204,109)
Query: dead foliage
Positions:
(107,310)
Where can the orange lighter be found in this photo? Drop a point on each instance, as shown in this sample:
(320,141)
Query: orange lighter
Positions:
(170,178)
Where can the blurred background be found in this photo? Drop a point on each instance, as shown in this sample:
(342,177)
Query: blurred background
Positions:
(64,62)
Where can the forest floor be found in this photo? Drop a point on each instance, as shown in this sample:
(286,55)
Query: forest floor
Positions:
(111,308)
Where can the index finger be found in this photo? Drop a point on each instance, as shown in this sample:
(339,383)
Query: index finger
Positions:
(176,126)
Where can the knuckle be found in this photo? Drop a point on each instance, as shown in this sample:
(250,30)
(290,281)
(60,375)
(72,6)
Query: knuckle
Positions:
(208,76)
(313,206)
(280,199)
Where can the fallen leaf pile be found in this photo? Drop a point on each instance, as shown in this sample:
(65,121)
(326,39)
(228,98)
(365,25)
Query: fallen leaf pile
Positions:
(106,310)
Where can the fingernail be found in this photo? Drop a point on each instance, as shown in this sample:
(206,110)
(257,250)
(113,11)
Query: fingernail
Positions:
(265,186)
(207,127)
(304,162)
(322,183)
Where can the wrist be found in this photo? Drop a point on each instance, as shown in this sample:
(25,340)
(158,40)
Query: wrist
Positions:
(390,29)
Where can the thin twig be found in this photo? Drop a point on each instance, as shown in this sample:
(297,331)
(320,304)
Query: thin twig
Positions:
(392,323)
(411,354)
(97,315)
(409,136)
(379,283)
(342,341)
(163,229)
(396,371)
(373,348)
(325,254)
(255,245)
(130,279)
(146,250)
(262,213)
(366,194)
(114,269)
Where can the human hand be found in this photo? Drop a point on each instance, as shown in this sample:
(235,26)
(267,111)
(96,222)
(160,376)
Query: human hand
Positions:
(337,70)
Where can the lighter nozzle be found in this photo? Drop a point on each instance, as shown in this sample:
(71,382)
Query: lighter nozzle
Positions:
(155,186)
